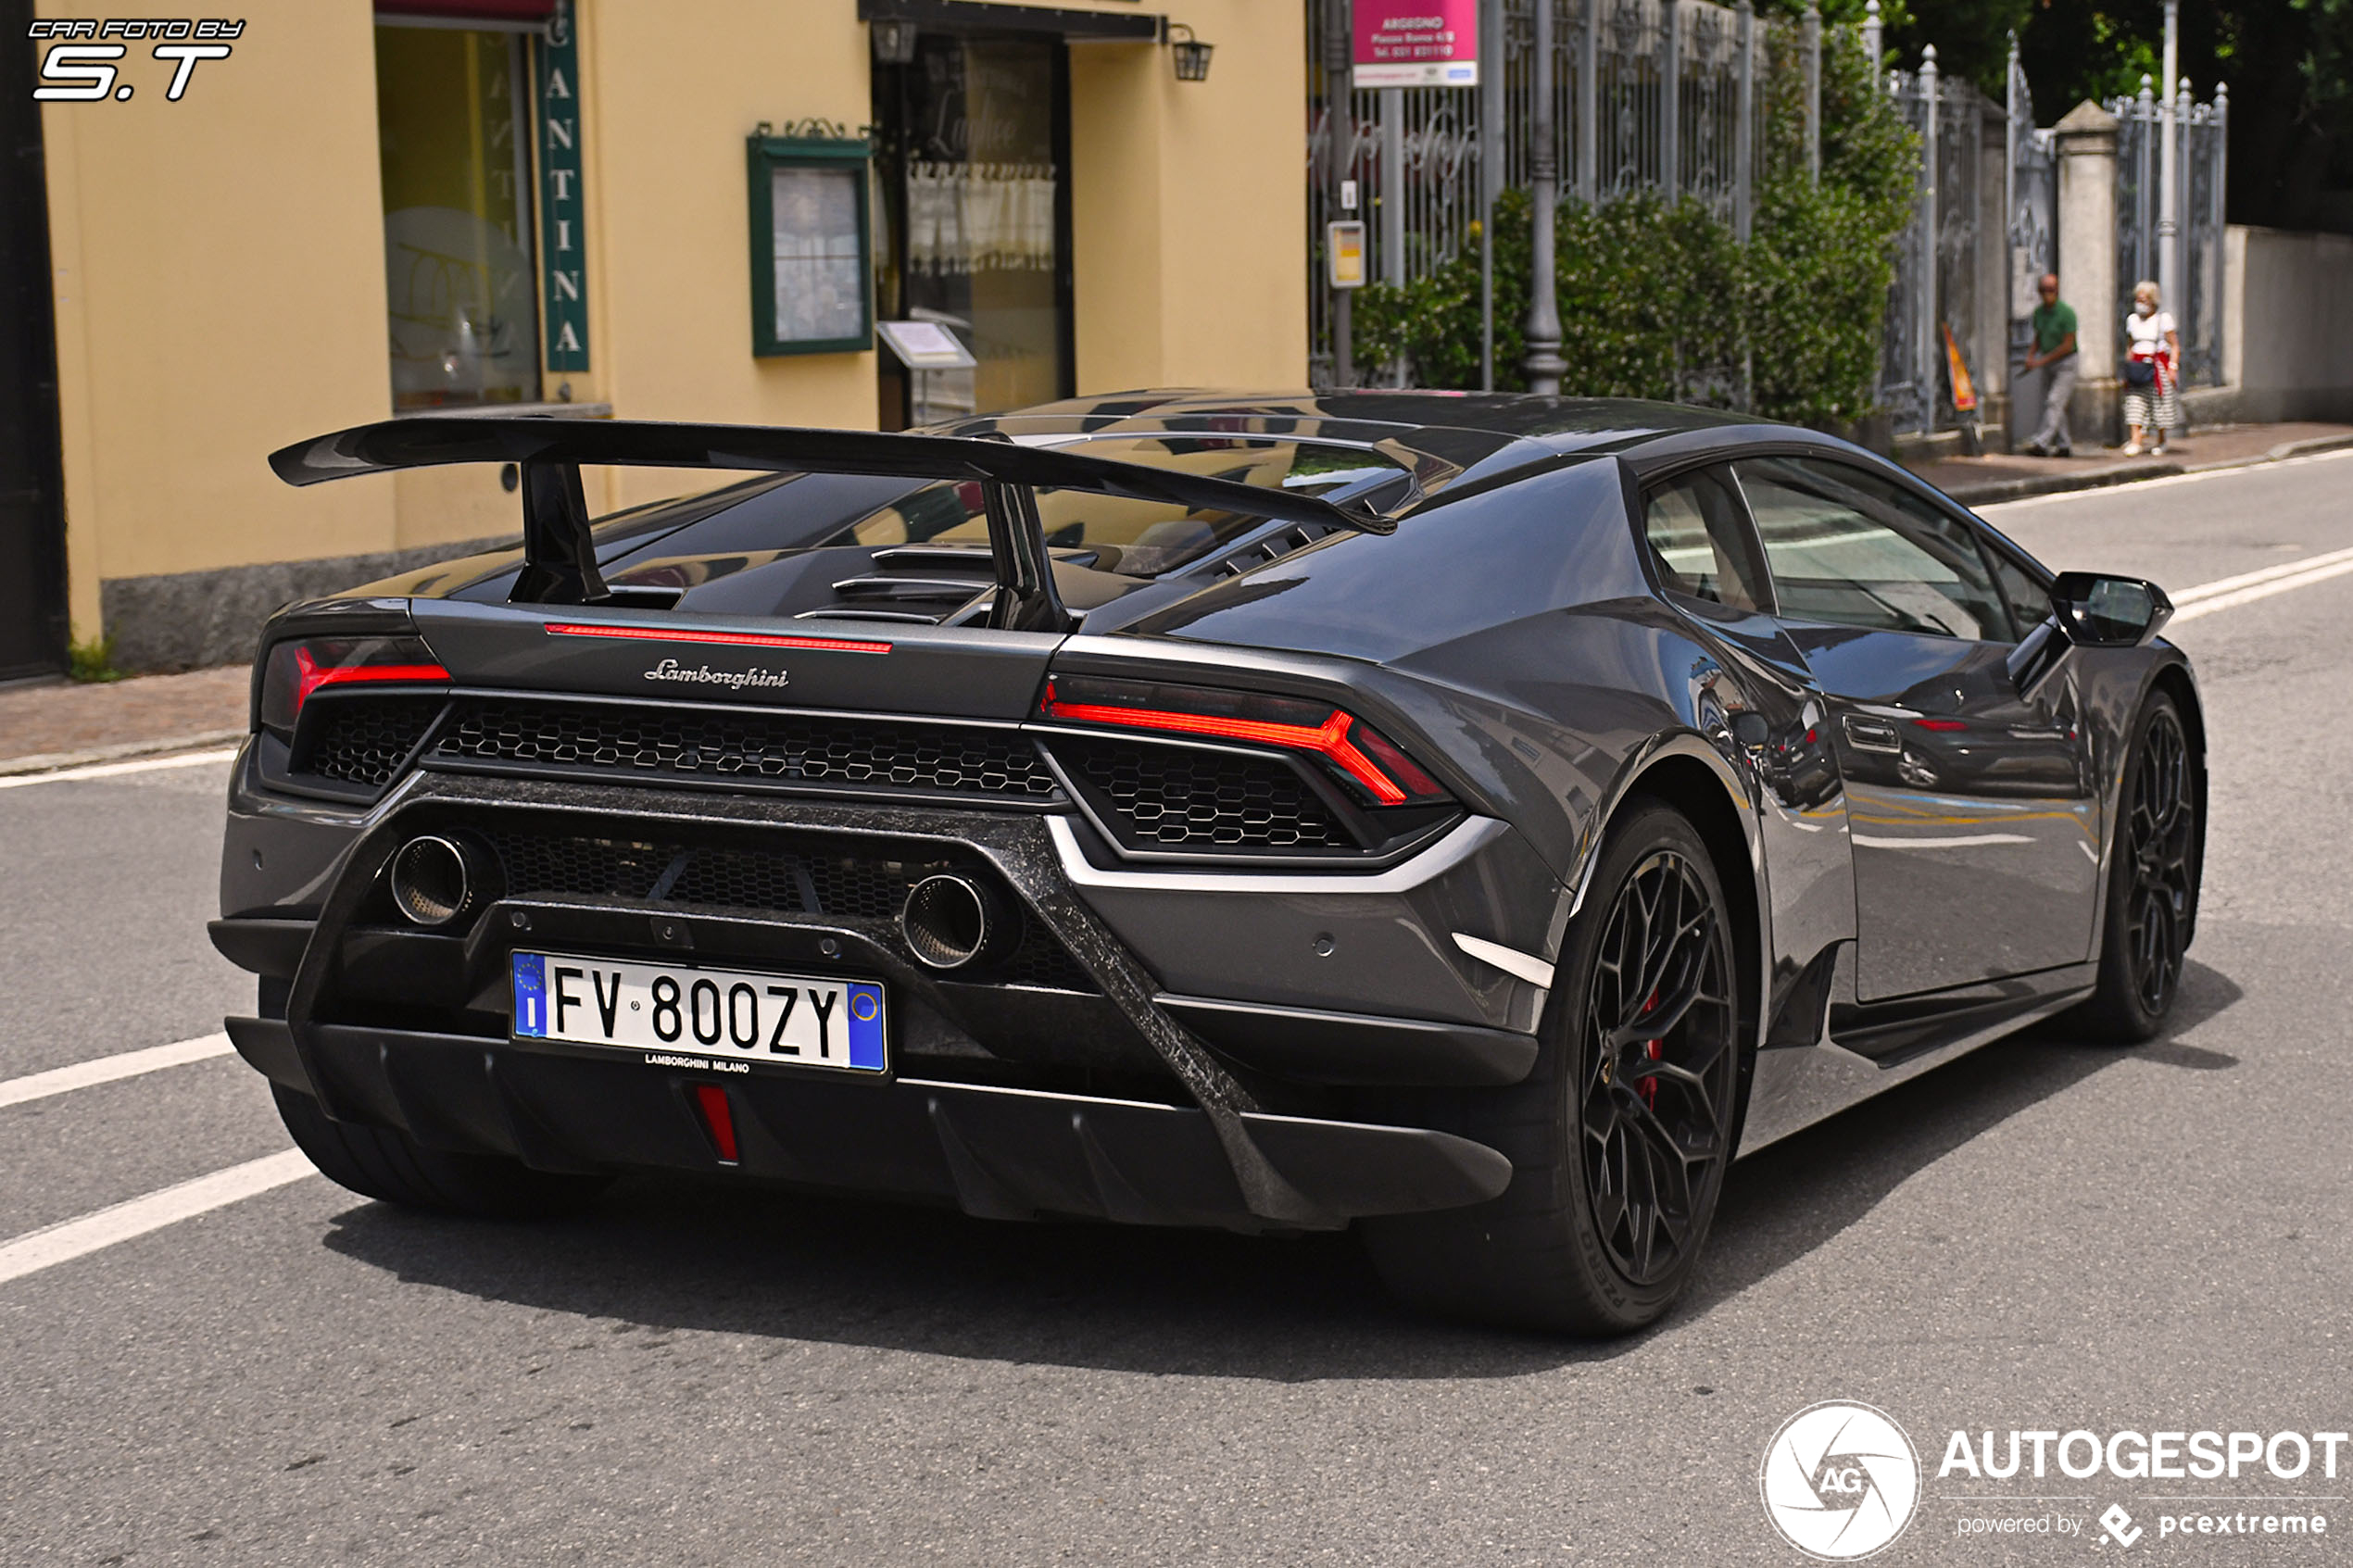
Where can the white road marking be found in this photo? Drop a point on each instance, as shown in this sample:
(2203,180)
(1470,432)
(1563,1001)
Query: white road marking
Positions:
(2268,574)
(70,1239)
(2111,491)
(107,1069)
(2231,600)
(1950,841)
(116,770)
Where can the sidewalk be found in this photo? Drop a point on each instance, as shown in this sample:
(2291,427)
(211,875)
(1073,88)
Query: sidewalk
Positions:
(63,724)
(1977,482)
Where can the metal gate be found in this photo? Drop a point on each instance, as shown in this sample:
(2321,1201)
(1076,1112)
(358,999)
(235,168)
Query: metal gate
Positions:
(1938,257)
(2031,207)
(2200,147)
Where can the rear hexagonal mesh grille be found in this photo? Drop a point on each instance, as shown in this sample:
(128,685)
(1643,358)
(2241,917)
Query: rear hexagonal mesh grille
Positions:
(749,747)
(850,884)
(363,740)
(1179,797)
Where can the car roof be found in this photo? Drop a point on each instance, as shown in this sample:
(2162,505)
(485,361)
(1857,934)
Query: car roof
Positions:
(1480,435)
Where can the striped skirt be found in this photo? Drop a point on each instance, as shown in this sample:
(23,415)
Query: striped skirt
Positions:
(2153,410)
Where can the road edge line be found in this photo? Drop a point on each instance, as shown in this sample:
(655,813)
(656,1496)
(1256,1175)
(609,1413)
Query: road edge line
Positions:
(117,769)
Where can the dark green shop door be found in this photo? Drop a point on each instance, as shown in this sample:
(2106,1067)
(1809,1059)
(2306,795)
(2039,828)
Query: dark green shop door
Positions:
(33,573)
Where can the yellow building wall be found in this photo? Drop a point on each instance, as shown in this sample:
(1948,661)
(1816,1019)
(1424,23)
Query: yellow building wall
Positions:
(218,276)
(1188,203)
(666,109)
(219,261)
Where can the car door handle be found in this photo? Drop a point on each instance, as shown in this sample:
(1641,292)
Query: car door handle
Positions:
(1871,735)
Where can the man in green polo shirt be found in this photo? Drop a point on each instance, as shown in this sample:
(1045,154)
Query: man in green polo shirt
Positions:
(2054,354)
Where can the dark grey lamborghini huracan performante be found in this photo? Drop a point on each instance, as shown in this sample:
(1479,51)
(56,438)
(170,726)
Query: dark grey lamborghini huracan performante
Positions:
(1475,821)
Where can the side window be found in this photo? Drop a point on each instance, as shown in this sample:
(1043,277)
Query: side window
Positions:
(2030,602)
(1848,547)
(1699,544)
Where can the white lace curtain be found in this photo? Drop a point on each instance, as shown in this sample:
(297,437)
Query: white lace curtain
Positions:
(980,216)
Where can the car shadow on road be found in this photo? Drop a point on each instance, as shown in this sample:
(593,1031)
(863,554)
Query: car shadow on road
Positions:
(1792,1197)
(678,1253)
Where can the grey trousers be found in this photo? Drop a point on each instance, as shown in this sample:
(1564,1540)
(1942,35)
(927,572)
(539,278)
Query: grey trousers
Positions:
(2058,385)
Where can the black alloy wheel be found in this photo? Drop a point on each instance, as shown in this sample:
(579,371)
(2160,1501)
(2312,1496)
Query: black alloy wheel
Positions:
(2158,842)
(1620,1137)
(2153,882)
(1660,1022)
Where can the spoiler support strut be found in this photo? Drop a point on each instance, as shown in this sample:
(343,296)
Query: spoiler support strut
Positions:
(558,552)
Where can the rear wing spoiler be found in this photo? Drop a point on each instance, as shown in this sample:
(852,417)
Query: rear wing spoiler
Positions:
(560,559)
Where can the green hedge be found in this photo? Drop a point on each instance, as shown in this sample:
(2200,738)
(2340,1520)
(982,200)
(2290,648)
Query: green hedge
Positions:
(1659,300)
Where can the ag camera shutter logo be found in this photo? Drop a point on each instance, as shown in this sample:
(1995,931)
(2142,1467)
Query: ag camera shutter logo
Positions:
(1840,1481)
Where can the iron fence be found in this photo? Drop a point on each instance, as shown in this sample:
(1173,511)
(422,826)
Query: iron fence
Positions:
(1648,96)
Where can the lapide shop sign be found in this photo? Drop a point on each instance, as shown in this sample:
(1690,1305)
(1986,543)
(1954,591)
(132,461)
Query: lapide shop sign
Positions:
(563,231)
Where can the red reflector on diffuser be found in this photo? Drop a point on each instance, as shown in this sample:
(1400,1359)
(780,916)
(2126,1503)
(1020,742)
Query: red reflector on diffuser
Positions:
(720,1122)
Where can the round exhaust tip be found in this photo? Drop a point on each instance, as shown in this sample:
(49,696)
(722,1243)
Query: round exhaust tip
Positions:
(950,921)
(433,882)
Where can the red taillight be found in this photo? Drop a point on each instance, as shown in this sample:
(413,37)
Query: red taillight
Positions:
(728,639)
(1942,725)
(296,669)
(1352,748)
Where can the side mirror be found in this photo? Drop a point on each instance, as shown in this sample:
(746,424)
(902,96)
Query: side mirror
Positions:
(2098,611)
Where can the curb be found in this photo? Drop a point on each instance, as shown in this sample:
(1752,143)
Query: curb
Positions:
(2102,478)
(54,761)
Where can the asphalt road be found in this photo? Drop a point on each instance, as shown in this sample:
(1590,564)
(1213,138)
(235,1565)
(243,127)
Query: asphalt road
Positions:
(2044,1235)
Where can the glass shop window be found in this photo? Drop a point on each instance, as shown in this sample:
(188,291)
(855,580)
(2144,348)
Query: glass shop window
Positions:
(969,173)
(453,109)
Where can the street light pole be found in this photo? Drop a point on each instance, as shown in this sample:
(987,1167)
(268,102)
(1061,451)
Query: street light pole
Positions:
(1341,115)
(2167,214)
(1544,363)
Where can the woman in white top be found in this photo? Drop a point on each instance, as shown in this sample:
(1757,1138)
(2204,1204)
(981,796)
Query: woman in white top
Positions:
(2153,404)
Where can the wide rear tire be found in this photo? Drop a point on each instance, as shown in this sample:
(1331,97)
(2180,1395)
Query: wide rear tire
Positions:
(380,1163)
(1619,1137)
(2154,868)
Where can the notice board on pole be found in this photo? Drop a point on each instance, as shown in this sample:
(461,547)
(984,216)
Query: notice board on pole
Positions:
(1414,42)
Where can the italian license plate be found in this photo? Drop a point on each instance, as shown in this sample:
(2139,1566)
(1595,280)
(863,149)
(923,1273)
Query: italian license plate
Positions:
(718,1014)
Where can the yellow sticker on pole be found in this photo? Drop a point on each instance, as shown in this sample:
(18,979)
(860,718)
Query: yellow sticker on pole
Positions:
(1344,246)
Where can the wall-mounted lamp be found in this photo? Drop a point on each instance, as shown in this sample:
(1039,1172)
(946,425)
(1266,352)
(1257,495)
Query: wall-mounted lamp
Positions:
(894,41)
(1189,55)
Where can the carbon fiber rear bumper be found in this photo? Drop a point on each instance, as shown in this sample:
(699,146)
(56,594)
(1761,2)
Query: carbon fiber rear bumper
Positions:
(1013,1154)
(1210,1152)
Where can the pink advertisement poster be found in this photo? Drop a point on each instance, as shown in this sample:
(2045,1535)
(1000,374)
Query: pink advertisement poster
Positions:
(1416,42)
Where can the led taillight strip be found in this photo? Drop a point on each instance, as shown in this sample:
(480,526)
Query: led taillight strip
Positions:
(724,639)
(310,676)
(1328,739)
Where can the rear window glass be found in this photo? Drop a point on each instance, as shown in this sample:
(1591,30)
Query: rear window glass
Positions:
(1140,538)
(1137,537)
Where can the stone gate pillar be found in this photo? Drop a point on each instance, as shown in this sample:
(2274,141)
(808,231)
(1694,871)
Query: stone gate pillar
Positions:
(2087,264)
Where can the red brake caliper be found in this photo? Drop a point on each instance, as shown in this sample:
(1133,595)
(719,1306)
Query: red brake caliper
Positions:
(1648,1088)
